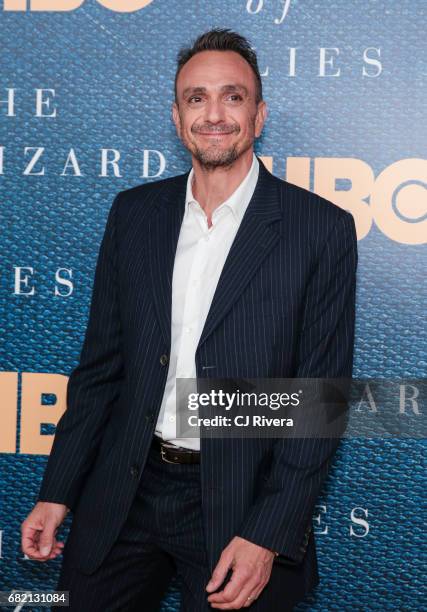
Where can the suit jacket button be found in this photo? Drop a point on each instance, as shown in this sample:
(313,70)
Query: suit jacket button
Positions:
(134,471)
(163,359)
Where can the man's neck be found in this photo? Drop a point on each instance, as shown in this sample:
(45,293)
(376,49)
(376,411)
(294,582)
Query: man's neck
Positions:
(212,187)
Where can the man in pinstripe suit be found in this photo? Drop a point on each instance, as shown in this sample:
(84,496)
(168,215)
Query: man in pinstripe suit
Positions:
(226,271)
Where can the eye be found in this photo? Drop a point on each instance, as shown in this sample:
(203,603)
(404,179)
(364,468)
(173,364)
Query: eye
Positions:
(195,98)
(237,97)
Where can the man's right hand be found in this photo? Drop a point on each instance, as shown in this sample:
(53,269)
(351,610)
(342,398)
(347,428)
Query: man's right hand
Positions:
(39,529)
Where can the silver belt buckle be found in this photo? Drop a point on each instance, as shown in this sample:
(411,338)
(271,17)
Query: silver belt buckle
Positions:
(163,454)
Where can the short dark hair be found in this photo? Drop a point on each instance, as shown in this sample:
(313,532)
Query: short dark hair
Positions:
(221,39)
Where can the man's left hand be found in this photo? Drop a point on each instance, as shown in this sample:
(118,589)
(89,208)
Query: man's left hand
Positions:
(251,565)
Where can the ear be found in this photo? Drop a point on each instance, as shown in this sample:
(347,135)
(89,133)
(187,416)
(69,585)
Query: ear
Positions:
(261,116)
(176,118)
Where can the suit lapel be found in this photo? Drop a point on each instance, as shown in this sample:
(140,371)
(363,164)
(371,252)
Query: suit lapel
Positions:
(256,236)
(163,237)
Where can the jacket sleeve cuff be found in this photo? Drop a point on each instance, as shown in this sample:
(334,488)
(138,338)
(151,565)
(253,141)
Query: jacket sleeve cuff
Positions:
(290,546)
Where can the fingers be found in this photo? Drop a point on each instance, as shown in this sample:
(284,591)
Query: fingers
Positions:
(56,550)
(31,549)
(245,582)
(220,571)
(253,596)
(244,599)
(38,531)
(239,579)
(39,543)
(46,540)
(239,599)
(29,541)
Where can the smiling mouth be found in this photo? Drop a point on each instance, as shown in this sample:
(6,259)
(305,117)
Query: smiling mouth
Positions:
(215,133)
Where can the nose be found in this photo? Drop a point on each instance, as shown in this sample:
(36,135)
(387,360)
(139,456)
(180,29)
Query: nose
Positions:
(214,111)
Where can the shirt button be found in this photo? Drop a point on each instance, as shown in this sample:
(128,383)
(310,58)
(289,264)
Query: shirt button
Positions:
(188,330)
(171,419)
(163,359)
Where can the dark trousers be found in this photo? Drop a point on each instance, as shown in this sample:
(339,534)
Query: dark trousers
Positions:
(163,535)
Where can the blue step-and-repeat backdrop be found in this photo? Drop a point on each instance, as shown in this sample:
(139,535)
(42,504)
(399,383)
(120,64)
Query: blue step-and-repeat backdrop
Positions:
(85,111)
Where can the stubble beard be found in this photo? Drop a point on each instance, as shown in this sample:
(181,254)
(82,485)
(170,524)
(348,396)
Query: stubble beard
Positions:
(211,158)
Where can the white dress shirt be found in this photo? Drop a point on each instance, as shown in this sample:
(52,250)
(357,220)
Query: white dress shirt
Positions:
(199,260)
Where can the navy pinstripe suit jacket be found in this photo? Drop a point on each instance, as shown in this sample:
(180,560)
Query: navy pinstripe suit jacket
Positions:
(284,307)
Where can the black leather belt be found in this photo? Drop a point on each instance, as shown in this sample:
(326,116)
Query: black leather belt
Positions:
(175,454)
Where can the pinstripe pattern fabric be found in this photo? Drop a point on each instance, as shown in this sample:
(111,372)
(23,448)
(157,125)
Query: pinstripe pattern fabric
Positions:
(162,535)
(284,307)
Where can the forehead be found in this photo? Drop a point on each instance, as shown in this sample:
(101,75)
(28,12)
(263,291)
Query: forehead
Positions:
(213,70)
